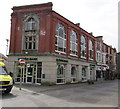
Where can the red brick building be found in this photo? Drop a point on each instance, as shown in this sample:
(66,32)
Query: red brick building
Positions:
(105,58)
(55,49)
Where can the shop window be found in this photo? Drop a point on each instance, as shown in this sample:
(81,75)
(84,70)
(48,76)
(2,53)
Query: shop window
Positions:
(30,73)
(73,43)
(91,73)
(61,74)
(83,74)
(73,74)
(83,47)
(39,72)
(60,42)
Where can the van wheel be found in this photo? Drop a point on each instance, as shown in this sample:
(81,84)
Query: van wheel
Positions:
(7,90)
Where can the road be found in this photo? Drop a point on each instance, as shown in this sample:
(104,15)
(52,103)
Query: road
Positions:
(103,94)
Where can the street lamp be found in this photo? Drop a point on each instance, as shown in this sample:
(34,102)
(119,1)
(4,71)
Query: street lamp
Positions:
(7,46)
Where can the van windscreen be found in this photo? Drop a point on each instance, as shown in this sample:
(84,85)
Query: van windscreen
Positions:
(3,71)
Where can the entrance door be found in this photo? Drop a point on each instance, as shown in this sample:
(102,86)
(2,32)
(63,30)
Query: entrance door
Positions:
(30,71)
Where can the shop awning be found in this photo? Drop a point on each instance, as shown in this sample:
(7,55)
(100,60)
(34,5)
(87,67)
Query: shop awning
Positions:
(102,68)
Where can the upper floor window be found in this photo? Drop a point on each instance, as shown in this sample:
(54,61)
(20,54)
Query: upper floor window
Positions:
(83,47)
(91,50)
(73,43)
(98,45)
(30,38)
(30,24)
(60,42)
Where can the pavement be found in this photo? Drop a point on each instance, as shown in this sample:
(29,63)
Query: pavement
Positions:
(41,88)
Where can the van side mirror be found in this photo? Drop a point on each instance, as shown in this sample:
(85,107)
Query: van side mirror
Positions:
(11,74)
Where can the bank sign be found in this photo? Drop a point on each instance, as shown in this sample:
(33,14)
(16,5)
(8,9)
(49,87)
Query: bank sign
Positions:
(31,59)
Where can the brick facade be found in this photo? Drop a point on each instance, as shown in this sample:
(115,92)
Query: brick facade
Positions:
(46,36)
(38,47)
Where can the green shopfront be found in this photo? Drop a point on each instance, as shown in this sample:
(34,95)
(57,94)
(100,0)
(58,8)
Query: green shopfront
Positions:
(50,69)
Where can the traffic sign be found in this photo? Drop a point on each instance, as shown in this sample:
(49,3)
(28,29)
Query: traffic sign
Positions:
(22,62)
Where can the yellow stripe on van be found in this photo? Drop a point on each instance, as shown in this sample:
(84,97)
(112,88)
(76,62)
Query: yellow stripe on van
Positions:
(2,64)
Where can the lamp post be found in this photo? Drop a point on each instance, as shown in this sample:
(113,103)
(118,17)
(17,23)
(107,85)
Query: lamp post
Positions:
(7,46)
(26,54)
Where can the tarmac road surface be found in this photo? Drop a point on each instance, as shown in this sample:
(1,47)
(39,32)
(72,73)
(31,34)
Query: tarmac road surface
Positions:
(103,94)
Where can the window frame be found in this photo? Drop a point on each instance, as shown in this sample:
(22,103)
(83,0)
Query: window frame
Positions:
(60,26)
(84,73)
(61,74)
(91,50)
(83,47)
(30,32)
(73,34)
(74,74)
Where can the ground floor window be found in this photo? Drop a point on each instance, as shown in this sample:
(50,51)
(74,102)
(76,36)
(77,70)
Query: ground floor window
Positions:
(83,74)
(91,73)
(30,73)
(61,68)
(74,74)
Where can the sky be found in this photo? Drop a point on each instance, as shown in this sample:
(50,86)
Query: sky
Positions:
(97,16)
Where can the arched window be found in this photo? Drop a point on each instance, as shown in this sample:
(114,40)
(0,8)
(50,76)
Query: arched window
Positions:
(60,42)
(73,43)
(91,49)
(30,24)
(61,73)
(73,74)
(30,30)
(83,47)
(83,74)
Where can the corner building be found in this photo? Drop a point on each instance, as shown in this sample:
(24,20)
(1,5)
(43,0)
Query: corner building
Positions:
(55,49)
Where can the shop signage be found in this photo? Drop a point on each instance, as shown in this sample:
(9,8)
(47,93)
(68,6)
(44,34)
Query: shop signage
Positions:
(32,59)
(92,65)
(61,60)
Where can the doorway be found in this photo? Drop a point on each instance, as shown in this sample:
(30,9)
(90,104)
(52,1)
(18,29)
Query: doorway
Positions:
(31,73)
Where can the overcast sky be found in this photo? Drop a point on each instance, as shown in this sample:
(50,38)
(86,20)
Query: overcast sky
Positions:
(97,16)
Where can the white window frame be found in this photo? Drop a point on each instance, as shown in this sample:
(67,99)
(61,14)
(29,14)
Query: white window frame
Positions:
(91,50)
(74,77)
(32,31)
(64,73)
(73,43)
(58,37)
(83,46)
(84,78)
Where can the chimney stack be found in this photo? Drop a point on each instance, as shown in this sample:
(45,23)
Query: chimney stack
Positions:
(77,24)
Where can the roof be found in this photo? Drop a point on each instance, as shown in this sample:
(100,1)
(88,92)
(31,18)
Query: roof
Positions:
(49,4)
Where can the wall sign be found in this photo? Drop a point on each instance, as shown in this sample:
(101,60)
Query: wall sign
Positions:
(32,59)
(61,60)
(42,33)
